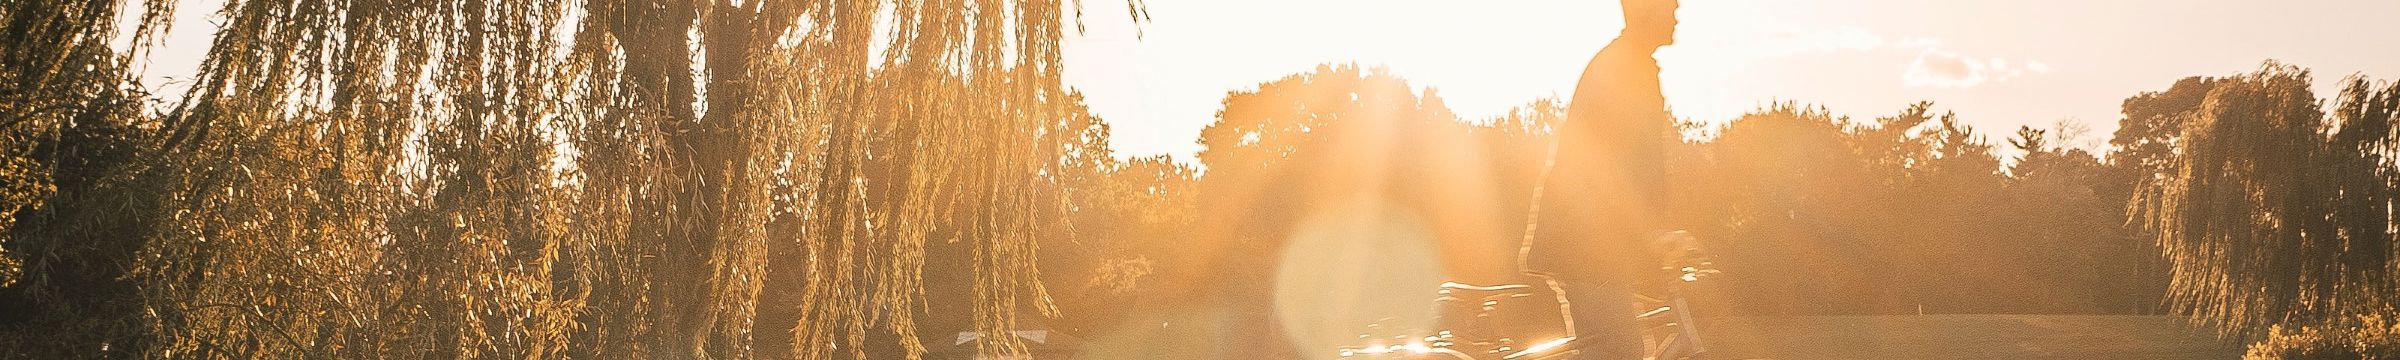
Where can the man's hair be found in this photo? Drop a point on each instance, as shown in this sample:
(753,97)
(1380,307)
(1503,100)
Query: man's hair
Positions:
(1646,8)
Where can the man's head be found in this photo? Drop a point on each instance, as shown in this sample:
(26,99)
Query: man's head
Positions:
(1650,20)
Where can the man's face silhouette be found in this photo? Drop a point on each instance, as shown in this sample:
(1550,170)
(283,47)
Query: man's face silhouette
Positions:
(1652,20)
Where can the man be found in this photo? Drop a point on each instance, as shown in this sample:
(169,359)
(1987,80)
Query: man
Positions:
(1603,194)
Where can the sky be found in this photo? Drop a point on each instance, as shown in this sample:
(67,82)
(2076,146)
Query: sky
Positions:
(1998,64)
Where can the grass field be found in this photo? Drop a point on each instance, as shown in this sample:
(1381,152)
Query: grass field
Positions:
(1961,337)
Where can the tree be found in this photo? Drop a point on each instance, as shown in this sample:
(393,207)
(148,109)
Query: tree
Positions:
(2079,254)
(355,179)
(2146,138)
(1790,192)
(76,192)
(2270,212)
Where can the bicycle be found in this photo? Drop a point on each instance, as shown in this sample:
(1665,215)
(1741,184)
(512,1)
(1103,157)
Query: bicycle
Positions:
(1484,322)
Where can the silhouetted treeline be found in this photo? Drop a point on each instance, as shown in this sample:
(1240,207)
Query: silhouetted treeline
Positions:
(1807,212)
(1908,213)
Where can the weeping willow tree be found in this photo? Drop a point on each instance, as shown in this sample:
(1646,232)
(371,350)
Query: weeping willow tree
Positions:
(2272,213)
(366,179)
(598,179)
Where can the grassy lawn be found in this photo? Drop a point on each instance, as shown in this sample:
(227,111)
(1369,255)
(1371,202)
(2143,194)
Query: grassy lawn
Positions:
(1962,337)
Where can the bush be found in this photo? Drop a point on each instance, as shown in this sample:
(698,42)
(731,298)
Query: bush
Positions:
(2368,337)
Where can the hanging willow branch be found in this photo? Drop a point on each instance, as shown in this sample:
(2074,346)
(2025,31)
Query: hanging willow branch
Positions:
(814,177)
(949,138)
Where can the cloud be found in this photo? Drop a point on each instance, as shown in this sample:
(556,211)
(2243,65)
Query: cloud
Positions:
(1943,69)
(1933,67)
(1938,68)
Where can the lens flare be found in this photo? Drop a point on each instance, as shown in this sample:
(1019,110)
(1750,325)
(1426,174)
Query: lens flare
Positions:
(1352,265)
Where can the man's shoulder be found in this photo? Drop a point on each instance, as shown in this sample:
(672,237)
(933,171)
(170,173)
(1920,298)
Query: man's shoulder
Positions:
(1616,64)
(1620,53)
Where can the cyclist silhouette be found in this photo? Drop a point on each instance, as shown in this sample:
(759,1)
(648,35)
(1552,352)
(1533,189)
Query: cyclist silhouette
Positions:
(1603,194)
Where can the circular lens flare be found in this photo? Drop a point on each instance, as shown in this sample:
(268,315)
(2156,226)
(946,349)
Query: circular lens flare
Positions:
(1356,272)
